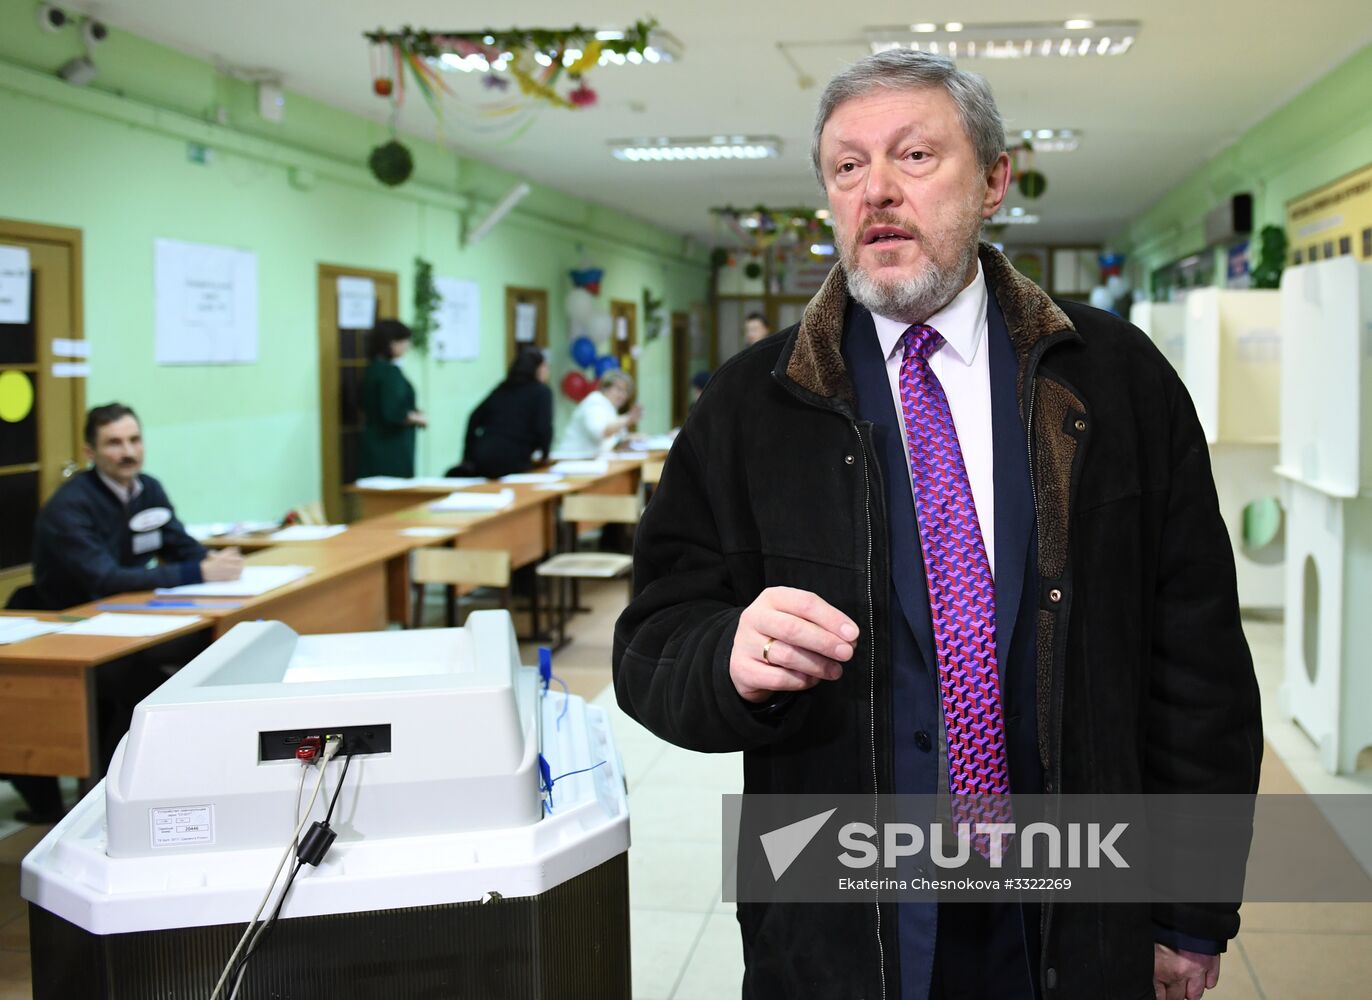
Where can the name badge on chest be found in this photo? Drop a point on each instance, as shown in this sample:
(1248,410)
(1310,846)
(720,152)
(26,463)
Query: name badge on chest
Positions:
(146,541)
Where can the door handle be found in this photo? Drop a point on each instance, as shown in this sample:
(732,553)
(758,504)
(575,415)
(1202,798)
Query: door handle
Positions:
(69,469)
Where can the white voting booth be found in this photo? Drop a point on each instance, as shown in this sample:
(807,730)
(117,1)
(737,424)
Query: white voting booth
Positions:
(1232,368)
(455,872)
(1165,324)
(1326,460)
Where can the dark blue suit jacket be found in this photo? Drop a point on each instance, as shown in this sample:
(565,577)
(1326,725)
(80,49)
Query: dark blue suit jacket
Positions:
(917,710)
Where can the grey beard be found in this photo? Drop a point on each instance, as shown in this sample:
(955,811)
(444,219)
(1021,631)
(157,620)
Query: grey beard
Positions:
(916,298)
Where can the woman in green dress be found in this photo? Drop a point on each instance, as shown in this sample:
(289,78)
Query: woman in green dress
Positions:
(388,405)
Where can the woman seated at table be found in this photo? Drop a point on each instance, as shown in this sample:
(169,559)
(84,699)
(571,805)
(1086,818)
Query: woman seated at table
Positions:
(513,426)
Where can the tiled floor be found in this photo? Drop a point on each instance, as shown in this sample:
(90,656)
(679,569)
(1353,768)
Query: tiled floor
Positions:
(685,941)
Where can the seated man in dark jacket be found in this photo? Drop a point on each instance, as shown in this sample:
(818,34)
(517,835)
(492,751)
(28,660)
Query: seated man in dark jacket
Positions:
(100,532)
(97,536)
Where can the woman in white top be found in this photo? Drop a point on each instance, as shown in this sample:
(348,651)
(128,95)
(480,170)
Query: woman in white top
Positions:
(597,426)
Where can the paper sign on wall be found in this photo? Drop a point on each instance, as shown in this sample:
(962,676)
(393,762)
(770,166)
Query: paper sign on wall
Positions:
(64,348)
(356,303)
(71,369)
(457,335)
(621,328)
(14,284)
(526,322)
(205,304)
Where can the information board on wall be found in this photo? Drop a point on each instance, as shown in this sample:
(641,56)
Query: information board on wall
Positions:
(205,304)
(1332,221)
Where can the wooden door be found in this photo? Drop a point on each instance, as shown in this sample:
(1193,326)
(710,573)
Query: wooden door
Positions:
(624,333)
(518,303)
(342,359)
(42,397)
(681,367)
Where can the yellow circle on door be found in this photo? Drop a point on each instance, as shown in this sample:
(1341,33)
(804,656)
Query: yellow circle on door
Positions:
(16,396)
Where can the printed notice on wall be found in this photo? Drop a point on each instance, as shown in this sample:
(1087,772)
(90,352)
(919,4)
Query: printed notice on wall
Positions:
(206,304)
(182,825)
(14,284)
(457,335)
(526,322)
(356,303)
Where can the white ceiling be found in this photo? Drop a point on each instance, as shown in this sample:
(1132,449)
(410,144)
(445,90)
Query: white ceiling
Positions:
(1201,73)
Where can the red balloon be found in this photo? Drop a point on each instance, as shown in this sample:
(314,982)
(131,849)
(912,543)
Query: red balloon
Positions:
(575,387)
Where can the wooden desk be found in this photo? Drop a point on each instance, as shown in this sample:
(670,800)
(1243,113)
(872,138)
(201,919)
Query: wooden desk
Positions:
(47,696)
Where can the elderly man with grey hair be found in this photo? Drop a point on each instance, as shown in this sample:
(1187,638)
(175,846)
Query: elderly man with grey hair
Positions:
(946,536)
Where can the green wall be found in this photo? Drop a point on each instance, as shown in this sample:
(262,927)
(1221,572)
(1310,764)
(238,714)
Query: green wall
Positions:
(1318,136)
(243,441)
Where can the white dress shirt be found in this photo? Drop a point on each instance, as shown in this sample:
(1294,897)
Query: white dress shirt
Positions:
(962,366)
(126,494)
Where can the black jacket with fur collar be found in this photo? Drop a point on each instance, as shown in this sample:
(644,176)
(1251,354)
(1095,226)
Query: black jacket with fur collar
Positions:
(1144,680)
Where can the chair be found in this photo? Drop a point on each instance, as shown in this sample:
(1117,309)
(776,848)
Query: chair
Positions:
(651,475)
(23,598)
(576,510)
(457,568)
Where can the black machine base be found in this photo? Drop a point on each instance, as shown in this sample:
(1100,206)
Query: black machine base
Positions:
(570,942)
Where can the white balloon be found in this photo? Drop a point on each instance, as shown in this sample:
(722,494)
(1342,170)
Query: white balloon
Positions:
(599,327)
(1117,285)
(580,305)
(1101,298)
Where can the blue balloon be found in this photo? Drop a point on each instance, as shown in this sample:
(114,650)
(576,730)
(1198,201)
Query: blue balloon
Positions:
(606,364)
(583,351)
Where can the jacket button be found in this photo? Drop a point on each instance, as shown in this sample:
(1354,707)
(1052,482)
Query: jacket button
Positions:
(1080,425)
(922,740)
(1050,978)
(848,460)
(1055,595)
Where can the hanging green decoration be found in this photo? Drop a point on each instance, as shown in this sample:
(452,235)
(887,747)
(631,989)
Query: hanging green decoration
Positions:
(719,257)
(1271,259)
(1032,184)
(426,299)
(391,163)
(752,270)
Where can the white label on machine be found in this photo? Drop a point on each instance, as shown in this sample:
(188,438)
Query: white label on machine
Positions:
(182,825)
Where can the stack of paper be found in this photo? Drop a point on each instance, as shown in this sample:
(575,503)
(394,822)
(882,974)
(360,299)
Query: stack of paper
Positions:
(131,625)
(308,532)
(19,629)
(383,483)
(594,467)
(473,502)
(218,529)
(427,532)
(531,477)
(450,482)
(255,581)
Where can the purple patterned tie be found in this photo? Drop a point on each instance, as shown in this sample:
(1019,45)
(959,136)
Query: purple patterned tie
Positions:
(962,596)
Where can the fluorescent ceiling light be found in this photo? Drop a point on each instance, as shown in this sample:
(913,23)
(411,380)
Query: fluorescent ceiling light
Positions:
(1009,41)
(1014,217)
(1046,140)
(719,147)
(1078,24)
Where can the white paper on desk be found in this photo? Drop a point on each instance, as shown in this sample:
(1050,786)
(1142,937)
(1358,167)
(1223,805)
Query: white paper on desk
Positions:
(658,442)
(450,482)
(531,477)
(19,629)
(558,486)
(566,455)
(308,532)
(474,501)
(217,529)
(591,467)
(383,483)
(426,532)
(255,581)
(109,623)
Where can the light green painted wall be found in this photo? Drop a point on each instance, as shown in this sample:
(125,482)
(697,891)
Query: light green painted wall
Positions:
(243,441)
(1320,135)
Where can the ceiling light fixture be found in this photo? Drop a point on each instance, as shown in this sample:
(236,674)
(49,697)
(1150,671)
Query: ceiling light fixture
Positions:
(1075,38)
(718,147)
(1046,140)
(1014,217)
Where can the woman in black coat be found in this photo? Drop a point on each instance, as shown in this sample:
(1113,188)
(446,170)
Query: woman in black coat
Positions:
(513,426)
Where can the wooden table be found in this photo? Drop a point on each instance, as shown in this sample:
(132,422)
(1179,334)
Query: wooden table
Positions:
(47,695)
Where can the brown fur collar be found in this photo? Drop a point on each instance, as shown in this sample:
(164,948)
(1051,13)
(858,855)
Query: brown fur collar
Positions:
(816,359)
